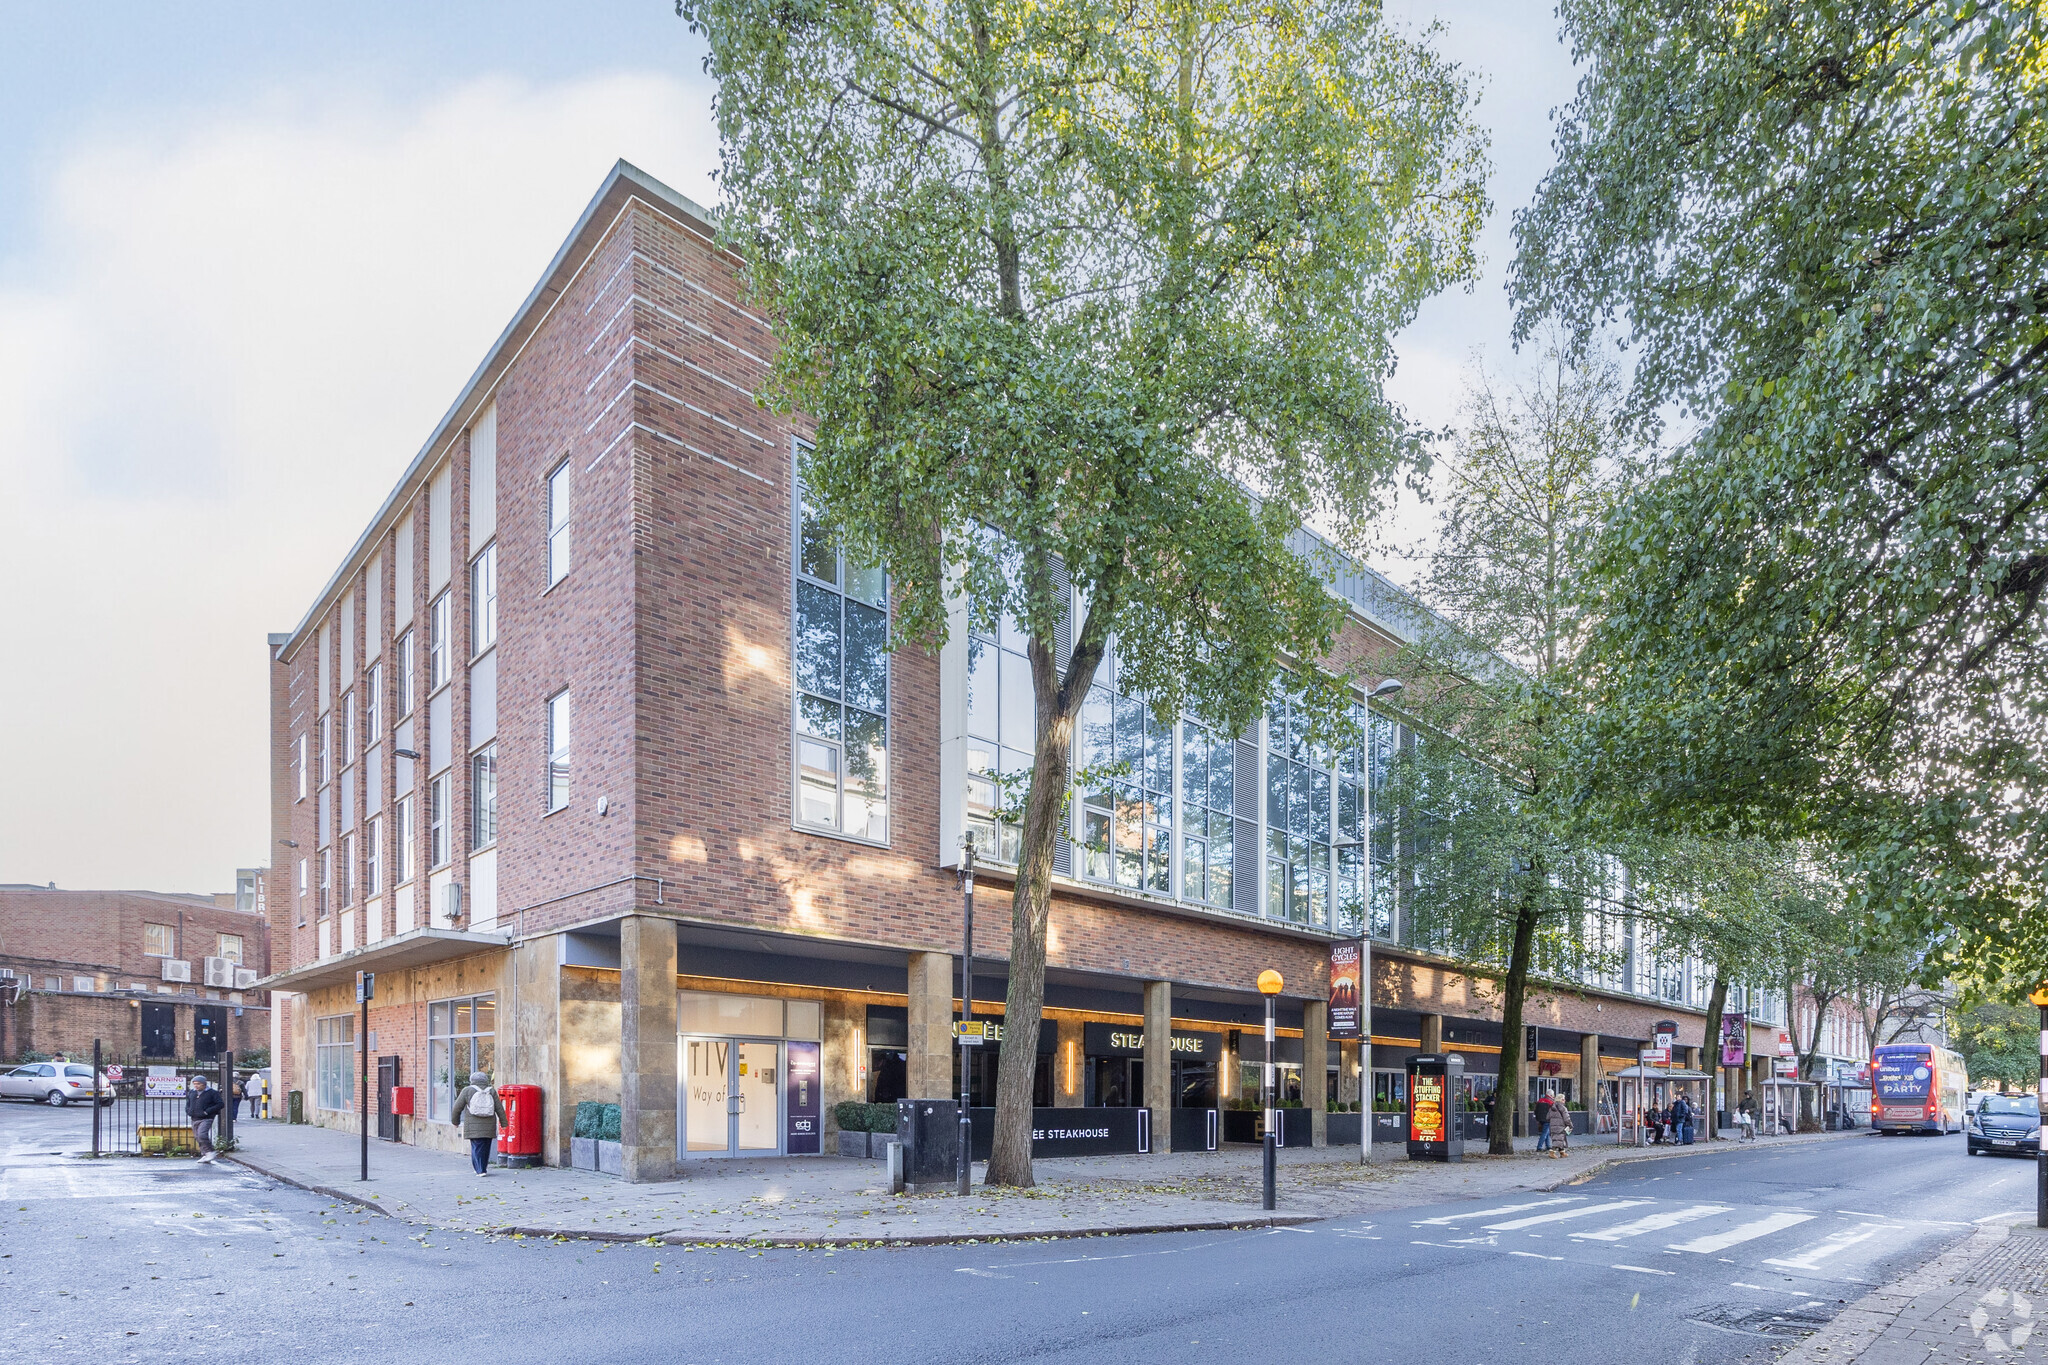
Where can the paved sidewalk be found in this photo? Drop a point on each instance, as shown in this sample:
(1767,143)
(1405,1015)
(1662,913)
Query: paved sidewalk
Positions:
(846,1201)
(1978,1302)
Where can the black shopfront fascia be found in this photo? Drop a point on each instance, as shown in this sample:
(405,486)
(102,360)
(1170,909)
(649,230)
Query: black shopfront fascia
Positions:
(1123,1040)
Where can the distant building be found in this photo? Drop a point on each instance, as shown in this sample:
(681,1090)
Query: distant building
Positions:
(151,975)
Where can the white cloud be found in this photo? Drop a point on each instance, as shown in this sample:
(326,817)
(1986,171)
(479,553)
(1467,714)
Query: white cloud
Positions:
(227,340)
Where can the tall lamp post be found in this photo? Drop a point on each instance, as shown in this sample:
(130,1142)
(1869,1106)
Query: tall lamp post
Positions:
(1269,986)
(964,1168)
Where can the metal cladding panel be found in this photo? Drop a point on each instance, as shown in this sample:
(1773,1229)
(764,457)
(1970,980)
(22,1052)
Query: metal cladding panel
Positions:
(1063,633)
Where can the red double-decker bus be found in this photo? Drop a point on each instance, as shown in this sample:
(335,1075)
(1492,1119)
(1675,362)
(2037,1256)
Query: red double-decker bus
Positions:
(1917,1088)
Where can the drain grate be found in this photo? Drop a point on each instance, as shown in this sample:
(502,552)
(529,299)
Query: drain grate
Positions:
(1766,1322)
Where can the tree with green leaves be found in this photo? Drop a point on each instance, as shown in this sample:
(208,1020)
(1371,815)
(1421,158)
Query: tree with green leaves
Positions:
(2000,1042)
(1821,228)
(1094,296)
(1496,868)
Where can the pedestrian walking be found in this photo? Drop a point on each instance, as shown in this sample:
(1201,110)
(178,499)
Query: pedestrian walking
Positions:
(203,1105)
(1561,1123)
(1745,1119)
(1544,1108)
(480,1113)
(235,1101)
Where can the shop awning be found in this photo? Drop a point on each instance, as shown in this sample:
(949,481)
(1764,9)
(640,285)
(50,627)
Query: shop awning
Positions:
(415,948)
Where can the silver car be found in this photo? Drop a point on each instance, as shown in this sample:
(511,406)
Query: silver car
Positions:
(56,1083)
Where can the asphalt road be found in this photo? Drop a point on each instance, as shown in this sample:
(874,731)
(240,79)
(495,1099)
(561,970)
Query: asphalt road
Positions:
(1704,1259)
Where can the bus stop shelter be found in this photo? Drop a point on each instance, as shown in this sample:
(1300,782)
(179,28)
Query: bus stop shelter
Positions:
(1647,1087)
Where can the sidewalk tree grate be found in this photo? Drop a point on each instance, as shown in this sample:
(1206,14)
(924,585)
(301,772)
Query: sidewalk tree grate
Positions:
(1767,1322)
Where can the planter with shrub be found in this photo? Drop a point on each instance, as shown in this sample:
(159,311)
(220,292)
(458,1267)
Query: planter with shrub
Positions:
(594,1141)
(865,1130)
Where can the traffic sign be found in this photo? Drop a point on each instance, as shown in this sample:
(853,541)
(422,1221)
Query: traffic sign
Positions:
(2039,996)
(970,1033)
(366,986)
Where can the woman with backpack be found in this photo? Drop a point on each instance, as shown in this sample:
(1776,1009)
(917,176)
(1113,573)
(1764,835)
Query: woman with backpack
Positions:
(480,1113)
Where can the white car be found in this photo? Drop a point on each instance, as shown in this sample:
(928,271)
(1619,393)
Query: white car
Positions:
(56,1083)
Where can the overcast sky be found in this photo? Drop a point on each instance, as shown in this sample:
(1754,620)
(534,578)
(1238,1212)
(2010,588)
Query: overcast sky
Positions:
(245,264)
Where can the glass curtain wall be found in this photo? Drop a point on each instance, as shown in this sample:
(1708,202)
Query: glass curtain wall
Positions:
(842,680)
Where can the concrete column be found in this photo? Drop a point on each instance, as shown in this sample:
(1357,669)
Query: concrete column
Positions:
(1066,1064)
(1159,1062)
(1315,1069)
(1589,1075)
(1349,1079)
(647,1048)
(1432,1033)
(930,1060)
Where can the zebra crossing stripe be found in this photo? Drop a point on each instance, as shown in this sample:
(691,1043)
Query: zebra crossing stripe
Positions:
(1810,1257)
(1654,1223)
(1515,1224)
(1489,1213)
(1745,1232)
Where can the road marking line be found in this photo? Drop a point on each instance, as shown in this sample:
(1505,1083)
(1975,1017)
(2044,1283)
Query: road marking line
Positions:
(1534,1256)
(1766,1288)
(1720,1241)
(984,1274)
(1827,1246)
(1488,1213)
(1656,1221)
(1515,1224)
(1994,1217)
(1642,1270)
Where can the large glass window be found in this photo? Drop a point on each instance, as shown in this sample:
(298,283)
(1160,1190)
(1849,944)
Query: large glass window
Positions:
(401,841)
(1126,818)
(334,1062)
(558,751)
(299,766)
(343,887)
(348,728)
(373,705)
(461,1038)
(842,686)
(1208,850)
(1298,817)
(408,687)
(373,838)
(483,797)
(1002,731)
(558,523)
(483,600)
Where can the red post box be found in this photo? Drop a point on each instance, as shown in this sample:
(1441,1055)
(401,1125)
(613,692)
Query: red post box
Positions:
(519,1137)
(401,1099)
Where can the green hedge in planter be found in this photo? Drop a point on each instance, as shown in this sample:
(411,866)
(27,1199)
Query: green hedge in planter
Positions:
(589,1118)
(608,1125)
(856,1116)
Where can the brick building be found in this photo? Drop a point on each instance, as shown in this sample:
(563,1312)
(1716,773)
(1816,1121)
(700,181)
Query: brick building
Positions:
(590,750)
(149,974)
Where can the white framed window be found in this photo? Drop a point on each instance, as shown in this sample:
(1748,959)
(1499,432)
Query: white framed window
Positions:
(483,600)
(342,888)
(302,877)
(408,683)
(373,838)
(483,797)
(334,1053)
(558,750)
(326,749)
(348,728)
(401,840)
(558,523)
(461,1038)
(156,940)
(231,948)
(326,881)
(299,767)
(373,705)
(438,813)
(840,636)
(440,619)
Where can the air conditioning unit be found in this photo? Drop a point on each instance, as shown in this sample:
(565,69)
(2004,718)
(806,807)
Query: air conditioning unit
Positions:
(219,972)
(451,900)
(245,977)
(177,969)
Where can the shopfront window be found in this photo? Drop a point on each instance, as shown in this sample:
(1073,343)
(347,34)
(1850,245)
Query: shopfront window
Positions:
(461,1038)
(334,1062)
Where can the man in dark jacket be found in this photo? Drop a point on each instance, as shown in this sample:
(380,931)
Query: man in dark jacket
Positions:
(1681,1120)
(203,1106)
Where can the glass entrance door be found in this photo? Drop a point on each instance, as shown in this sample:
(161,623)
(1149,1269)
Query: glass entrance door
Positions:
(731,1097)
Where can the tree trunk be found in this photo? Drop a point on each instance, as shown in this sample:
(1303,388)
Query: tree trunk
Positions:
(1711,1051)
(1500,1135)
(1057,701)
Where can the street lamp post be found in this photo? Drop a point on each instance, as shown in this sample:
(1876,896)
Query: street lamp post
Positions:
(2039,997)
(964,1168)
(1269,986)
